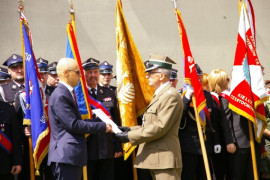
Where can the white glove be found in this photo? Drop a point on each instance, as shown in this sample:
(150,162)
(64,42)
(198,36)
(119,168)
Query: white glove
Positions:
(217,148)
(189,92)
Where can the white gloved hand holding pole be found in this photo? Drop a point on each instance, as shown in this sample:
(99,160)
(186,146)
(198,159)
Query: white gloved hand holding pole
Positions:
(189,92)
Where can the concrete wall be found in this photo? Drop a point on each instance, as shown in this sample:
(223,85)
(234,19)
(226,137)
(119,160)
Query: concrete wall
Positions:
(212,27)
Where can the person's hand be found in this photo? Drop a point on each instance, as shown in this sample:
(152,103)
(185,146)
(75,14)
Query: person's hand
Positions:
(122,136)
(27,131)
(217,148)
(16,169)
(109,128)
(118,154)
(124,128)
(189,92)
(231,148)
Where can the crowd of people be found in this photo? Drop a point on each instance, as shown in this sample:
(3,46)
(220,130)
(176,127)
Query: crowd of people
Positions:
(167,136)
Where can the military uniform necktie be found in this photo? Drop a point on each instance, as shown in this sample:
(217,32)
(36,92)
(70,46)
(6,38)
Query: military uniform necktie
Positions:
(93,93)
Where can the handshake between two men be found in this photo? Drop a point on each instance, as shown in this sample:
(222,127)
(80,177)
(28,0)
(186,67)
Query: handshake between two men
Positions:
(122,136)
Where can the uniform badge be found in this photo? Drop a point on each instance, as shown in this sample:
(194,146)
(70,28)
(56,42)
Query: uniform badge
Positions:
(13,86)
(107,99)
(101,91)
(2,127)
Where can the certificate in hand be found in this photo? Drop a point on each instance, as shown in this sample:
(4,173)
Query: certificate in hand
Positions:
(106,119)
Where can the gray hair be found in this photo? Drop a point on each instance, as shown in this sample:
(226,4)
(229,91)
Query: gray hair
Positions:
(167,72)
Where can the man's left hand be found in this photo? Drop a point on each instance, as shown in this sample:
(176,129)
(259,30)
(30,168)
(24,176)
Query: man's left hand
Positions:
(122,136)
(16,169)
(118,154)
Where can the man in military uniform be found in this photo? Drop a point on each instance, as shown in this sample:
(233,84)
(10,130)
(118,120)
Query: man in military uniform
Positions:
(122,169)
(43,72)
(102,148)
(15,69)
(173,78)
(159,147)
(105,75)
(10,145)
(4,76)
(45,171)
(193,164)
(52,76)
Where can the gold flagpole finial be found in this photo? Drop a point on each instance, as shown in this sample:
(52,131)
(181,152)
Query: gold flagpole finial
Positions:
(71,9)
(72,12)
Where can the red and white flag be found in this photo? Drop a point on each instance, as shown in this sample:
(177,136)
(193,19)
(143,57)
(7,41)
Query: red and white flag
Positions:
(190,74)
(247,87)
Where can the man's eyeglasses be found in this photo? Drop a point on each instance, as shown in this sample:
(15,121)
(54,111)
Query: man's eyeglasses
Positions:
(77,72)
(150,73)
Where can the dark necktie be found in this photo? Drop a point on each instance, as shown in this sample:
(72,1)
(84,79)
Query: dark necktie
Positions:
(93,93)
(22,86)
(74,97)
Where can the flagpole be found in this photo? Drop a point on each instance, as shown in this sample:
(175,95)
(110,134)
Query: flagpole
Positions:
(251,139)
(204,154)
(205,158)
(72,15)
(32,176)
(72,20)
(135,176)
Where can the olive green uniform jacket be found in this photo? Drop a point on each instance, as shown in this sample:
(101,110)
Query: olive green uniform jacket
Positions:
(158,136)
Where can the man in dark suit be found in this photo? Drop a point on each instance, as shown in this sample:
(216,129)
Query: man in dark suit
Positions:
(10,155)
(67,149)
(102,148)
(15,69)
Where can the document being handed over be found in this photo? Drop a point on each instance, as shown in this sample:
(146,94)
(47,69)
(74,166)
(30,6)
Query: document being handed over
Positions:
(106,119)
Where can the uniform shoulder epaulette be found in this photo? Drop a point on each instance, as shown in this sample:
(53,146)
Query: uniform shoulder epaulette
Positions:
(4,84)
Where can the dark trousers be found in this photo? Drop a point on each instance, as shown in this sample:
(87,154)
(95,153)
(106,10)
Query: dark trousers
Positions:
(144,174)
(7,176)
(102,169)
(220,165)
(123,170)
(63,171)
(45,171)
(25,173)
(193,167)
(241,164)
